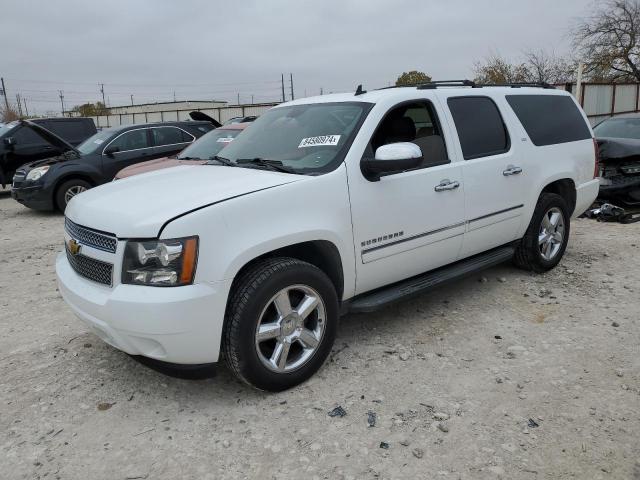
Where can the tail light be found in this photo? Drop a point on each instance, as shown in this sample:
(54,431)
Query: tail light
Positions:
(596,151)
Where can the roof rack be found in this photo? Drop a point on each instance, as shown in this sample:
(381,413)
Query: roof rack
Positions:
(519,85)
(446,83)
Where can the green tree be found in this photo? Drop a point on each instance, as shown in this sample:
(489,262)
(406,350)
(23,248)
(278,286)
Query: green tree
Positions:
(412,78)
(90,109)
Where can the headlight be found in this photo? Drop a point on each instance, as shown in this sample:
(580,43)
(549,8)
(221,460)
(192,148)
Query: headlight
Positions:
(160,263)
(37,173)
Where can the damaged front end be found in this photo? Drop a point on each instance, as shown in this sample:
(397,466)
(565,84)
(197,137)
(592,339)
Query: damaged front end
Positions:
(620,171)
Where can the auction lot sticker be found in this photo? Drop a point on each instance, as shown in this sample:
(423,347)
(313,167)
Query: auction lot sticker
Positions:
(321,141)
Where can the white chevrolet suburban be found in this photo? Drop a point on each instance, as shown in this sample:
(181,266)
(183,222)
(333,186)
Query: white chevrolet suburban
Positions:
(323,206)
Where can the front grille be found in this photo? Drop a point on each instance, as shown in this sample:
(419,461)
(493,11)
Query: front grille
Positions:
(92,238)
(90,268)
(19,177)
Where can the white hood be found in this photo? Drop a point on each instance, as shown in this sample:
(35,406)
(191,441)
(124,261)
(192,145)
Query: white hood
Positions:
(137,207)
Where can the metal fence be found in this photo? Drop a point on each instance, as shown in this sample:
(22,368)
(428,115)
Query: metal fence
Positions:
(221,114)
(603,100)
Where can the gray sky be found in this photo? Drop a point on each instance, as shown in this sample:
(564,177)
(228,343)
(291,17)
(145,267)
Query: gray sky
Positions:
(204,49)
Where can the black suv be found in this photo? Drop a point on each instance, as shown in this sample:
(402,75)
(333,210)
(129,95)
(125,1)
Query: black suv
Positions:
(20,144)
(50,183)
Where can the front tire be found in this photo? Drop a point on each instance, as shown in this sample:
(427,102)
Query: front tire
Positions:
(545,241)
(68,190)
(280,323)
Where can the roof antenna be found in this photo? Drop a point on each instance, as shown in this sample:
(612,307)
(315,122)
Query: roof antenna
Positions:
(359,90)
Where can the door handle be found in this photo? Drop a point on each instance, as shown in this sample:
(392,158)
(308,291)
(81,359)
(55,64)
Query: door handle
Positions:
(511,170)
(446,184)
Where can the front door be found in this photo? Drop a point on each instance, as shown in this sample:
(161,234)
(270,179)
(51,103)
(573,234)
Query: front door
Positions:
(410,222)
(495,177)
(132,146)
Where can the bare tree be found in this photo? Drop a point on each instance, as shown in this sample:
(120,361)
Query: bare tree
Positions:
(545,67)
(608,40)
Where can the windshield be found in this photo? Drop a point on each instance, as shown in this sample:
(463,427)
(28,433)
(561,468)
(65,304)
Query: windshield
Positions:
(95,142)
(7,127)
(209,145)
(305,138)
(619,128)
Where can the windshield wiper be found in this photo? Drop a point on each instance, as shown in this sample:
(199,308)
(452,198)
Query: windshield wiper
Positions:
(188,158)
(222,160)
(263,162)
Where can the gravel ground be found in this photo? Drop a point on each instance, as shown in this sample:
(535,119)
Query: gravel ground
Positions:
(504,375)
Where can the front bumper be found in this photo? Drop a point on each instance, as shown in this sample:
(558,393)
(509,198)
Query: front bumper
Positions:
(181,325)
(33,196)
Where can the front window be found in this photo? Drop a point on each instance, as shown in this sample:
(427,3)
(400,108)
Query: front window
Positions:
(619,128)
(209,145)
(95,142)
(312,138)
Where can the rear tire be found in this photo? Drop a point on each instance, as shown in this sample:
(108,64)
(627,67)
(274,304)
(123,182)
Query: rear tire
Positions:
(68,190)
(280,323)
(545,240)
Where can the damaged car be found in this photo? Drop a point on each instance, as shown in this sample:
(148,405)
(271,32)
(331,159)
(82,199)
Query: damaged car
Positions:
(51,183)
(619,144)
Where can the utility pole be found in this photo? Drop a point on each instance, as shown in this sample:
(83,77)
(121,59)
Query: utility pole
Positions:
(252,99)
(131,99)
(238,99)
(174,96)
(102,91)
(321,91)
(291,77)
(4,92)
(24,101)
(62,101)
(282,79)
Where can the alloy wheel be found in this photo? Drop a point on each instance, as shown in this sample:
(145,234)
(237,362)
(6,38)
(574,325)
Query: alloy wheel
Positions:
(290,328)
(551,235)
(72,192)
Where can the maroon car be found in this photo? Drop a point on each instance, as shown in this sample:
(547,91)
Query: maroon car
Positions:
(199,152)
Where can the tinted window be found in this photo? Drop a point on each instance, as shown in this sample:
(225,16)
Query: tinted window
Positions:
(133,140)
(26,136)
(549,119)
(479,126)
(623,127)
(71,131)
(167,136)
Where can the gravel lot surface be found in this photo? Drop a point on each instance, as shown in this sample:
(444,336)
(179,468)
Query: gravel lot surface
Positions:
(504,375)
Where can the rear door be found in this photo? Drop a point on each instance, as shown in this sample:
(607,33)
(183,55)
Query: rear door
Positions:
(169,140)
(132,146)
(494,174)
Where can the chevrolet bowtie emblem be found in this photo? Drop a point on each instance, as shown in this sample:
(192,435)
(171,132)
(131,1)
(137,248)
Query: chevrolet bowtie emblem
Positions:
(73,246)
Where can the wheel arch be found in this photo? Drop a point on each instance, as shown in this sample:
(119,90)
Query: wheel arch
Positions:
(323,254)
(70,176)
(566,188)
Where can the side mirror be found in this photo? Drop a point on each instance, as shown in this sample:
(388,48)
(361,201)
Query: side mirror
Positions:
(111,150)
(391,158)
(9,142)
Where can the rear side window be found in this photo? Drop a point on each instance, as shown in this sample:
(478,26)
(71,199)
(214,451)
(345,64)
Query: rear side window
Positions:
(549,119)
(479,125)
(169,136)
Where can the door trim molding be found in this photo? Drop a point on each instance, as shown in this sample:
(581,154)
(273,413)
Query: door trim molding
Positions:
(438,230)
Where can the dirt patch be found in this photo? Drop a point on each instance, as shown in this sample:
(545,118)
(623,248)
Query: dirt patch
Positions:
(520,376)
